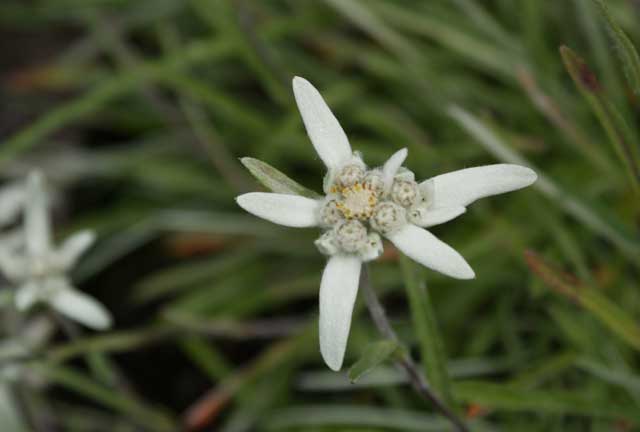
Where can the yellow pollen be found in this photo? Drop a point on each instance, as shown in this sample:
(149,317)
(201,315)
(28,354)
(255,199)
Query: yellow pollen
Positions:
(357,201)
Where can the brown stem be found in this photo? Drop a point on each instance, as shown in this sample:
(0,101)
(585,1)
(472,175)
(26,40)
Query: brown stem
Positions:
(405,362)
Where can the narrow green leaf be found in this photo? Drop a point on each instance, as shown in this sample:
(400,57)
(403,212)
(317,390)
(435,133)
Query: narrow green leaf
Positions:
(206,356)
(275,180)
(277,356)
(625,49)
(432,351)
(306,417)
(170,281)
(608,313)
(10,417)
(257,401)
(236,21)
(102,93)
(617,377)
(374,354)
(544,370)
(390,376)
(79,383)
(618,131)
(550,107)
(468,44)
(508,398)
(488,24)
(127,340)
(567,202)
(360,14)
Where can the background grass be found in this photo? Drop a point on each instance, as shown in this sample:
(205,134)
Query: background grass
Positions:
(138,111)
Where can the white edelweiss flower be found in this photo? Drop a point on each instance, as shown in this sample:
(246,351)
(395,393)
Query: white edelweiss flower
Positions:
(364,203)
(40,270)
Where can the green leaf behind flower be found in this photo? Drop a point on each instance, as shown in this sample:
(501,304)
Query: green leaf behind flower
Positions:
(373,355)
(276,180)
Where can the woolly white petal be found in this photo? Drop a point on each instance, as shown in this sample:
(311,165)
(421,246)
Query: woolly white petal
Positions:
(338,291)
(422,246)
(289,210)
(11,202)
(74,247)
(461,188)
(80,307)
(27,295)
(37,223)
(13,266)
(391,167)
(438,216)
(325,132)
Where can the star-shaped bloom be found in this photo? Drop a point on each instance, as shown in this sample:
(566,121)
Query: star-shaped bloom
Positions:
(40,271)
(362,204)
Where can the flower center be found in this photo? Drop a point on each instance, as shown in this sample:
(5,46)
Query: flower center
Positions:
(357,201)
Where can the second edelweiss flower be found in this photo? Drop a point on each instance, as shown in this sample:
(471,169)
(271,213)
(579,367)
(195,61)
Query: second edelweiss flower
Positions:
(39,270)
(362,204)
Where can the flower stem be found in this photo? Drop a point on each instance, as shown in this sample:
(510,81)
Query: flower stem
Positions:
(405,362)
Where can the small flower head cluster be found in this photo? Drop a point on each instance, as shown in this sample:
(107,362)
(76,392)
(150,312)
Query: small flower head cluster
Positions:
(362,205)
(38,269)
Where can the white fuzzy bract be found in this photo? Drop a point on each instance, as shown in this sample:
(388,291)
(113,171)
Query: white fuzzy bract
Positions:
(362,203)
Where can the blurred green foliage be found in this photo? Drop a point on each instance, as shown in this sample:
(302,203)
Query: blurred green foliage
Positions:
(140,110)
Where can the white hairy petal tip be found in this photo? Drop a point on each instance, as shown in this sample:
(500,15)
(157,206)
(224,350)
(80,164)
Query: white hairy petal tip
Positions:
(26,296)
(73,248)
(81,308)
(425,248)
(392,165)
(282,209)
(461,188)
(324,130)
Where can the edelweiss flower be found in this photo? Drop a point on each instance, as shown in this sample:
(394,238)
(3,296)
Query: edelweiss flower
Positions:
(40,271)
(362,204)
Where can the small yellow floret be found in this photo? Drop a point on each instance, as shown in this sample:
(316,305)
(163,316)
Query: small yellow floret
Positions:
(357,201)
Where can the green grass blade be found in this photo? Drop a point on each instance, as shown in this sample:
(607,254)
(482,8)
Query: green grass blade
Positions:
(10,417)
(576,136)
(103,93)
(608,313)
(235,21)
(278,355)
(624,47)
(308,416)
(111,342)
(624,379)
(360,13)
(508,398)
(434,360)
(170,281)
(568,203)
(147,417)
(373,355)
(618,131)
(206,357)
